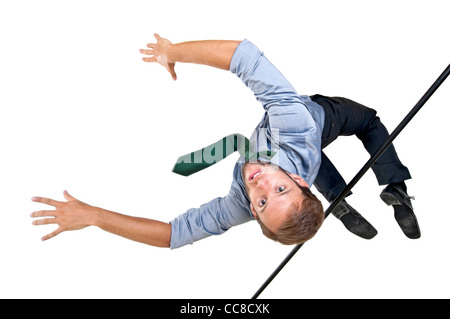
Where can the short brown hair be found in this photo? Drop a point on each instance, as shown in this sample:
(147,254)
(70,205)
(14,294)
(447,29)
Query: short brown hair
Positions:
(302,223)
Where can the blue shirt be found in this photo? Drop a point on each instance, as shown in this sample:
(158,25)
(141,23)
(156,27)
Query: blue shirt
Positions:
(291,126)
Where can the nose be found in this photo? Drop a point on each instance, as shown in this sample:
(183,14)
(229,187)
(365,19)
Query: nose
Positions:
(262,182)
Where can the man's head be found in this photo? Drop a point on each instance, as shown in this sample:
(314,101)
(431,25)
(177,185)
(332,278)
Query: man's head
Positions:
(282,203)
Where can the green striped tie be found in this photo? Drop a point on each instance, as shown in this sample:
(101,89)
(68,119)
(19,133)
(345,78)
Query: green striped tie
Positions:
(196,161)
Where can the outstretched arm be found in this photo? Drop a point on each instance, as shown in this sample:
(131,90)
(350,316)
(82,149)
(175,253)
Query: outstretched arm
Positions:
(215,53)
(74,214)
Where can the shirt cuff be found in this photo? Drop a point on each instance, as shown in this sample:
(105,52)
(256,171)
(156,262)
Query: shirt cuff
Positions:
(180,234)
(244,58)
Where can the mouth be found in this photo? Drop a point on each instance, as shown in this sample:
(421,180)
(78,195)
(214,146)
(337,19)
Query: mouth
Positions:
(255,174)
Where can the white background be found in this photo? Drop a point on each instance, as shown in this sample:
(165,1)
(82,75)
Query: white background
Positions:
(80,111)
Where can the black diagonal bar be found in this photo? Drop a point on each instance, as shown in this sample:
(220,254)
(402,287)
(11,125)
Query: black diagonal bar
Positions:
(364,169)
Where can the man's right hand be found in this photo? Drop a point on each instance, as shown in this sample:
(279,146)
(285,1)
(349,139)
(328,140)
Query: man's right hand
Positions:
(159,52)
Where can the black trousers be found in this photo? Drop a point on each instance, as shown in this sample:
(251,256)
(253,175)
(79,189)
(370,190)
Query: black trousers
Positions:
(344,117)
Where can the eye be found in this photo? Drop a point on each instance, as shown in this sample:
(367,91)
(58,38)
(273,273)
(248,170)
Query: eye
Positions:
(262,202)
(280,189)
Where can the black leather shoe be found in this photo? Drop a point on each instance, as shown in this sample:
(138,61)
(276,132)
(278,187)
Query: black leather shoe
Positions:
(403,211)
(354,221)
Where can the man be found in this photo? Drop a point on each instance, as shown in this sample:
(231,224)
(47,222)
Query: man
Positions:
(275,192)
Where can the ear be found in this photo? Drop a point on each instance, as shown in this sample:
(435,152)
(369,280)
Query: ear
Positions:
(299,180)
(253,211)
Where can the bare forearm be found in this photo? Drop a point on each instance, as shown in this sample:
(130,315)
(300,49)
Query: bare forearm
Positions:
(74,214)
(143,230)
(215,53)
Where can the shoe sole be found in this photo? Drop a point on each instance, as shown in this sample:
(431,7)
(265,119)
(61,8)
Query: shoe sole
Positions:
(406,220)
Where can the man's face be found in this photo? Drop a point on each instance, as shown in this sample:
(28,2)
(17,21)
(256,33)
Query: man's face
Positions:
(271,191)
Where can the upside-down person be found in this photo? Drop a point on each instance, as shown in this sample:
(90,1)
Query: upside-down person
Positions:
(274,190)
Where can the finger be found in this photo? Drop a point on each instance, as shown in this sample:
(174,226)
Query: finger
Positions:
(52,234)
(43,213)
(171,69)
(148,52)
(47,201)
(151,45)
(157,36)
(44,221)
(151,59)
(69,197)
